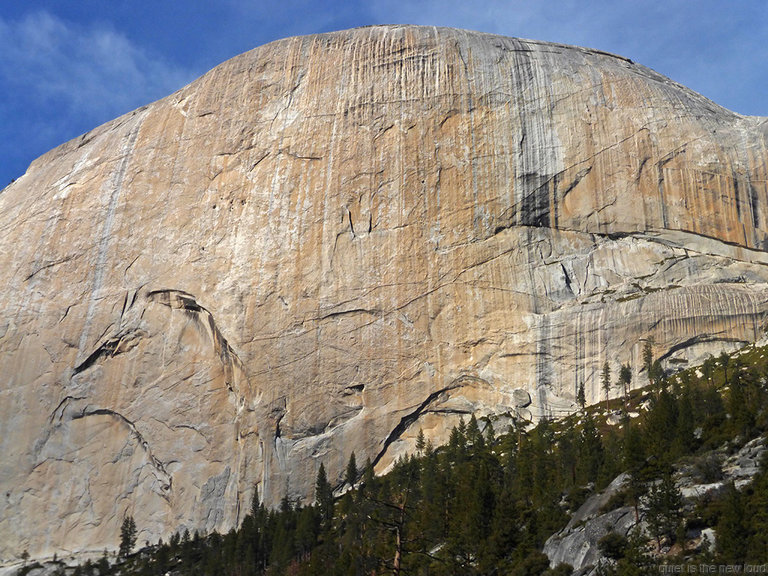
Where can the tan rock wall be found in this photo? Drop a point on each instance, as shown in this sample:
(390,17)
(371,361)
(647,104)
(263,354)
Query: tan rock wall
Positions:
(331,241)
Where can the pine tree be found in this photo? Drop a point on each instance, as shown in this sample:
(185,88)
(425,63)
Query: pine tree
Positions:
(351,474)
(590,452)
(744,397)
(657,372)
(421,442)
(685,439)
(725,361)
(648,358)
(732,528)
(658,422)
(307,530)
(581,397)
(634,463)
(432,515)
(103,563)
(625,379)
(757,502)
(127,536)
(708,368)
(664,508)
(505,535)
(457,442)
(605,377)
(474,437)
(324,498)
(490,434)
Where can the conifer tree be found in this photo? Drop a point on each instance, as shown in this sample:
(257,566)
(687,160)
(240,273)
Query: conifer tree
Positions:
(625,379)
(127,536)
(103,563)
(420,442)
(490,434)
(657,372)
(708,368)
(368,475)
(685,430)
(474,437)
(659,421)
(732,528)
(324,498)
(350,477)
(664,508)
(581,397)
(648,358)
(605,377)
(634,462)
(590,451)
(307,529)
(457,442)
(462,427)
(724,361)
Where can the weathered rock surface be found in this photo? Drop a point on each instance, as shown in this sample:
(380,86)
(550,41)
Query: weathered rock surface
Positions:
(332,241)
(577,543)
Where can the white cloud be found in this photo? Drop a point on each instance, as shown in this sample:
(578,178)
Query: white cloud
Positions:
(91,72)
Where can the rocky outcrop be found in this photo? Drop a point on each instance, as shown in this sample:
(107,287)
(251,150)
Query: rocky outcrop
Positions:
(578,543)
(332,241)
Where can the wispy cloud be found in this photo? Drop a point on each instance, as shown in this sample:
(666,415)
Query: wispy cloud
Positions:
(60,79)
(91,70)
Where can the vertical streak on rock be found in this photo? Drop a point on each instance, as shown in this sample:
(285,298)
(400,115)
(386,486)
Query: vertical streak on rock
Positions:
(662,201)
(750,190)
(543,363)
(469,111)
(537,150)
(112,190)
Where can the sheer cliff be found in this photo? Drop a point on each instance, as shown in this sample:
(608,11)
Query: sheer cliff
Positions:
(332,241)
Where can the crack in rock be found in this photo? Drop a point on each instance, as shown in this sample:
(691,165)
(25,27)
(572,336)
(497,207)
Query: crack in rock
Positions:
(68,412)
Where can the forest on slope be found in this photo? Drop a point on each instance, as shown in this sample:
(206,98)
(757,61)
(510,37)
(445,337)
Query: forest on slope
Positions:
(487,501)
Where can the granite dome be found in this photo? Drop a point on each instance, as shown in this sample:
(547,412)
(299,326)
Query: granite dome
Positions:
(331,241)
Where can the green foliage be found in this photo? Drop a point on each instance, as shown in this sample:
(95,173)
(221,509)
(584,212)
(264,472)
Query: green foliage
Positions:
(27,568)
(613,545)
(732,528)
(648,357)
(324,498)
(659,421)
(625,378)
(605,379)
(635,561)
(350,477)
(103,564)
(421,442)
(127,536)
(663,508)
(562,569)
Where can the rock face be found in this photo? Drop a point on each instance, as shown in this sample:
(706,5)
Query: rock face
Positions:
(332,241)
(578,543)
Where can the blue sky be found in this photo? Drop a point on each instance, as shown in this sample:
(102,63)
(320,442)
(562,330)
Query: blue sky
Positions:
(67,66)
